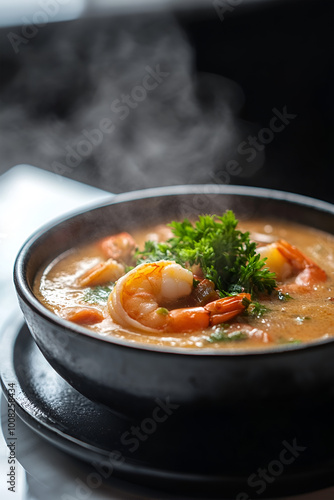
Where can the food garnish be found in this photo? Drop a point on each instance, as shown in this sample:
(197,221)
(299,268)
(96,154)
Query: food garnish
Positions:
(98,294)
(225,255)
(255,309)
(221,335)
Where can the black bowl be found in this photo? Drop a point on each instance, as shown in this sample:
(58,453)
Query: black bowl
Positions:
(231,411)
(131,378)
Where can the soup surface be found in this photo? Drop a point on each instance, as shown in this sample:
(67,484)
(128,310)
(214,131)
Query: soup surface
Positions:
(77,286)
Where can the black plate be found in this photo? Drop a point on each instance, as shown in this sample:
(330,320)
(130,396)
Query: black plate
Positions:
(166,453)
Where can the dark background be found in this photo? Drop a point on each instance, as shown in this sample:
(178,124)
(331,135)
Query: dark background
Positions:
(227,72)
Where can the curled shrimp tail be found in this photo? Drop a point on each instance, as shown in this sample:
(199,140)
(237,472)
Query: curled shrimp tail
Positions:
(297,259)
(309,273)
(140,297)
(225,309)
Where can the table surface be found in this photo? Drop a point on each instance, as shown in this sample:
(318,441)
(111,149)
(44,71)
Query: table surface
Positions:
(30,197)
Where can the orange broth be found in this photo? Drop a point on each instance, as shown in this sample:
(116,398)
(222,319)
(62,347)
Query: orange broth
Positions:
(305,318)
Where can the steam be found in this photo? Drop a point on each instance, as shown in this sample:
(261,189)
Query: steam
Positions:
(74,76)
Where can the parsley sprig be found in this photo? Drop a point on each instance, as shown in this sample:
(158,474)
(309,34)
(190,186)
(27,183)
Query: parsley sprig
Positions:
(226,255)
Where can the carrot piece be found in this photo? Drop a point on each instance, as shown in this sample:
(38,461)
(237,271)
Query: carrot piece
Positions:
(82,315)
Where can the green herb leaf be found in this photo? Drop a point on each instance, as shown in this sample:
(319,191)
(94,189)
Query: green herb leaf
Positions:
(254,309)
(289,341)
(98,294)
(284,296)
(162,310)
(221,335)
(226,255)
(237,335)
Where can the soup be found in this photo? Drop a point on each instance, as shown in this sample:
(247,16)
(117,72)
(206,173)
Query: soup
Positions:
(157,300)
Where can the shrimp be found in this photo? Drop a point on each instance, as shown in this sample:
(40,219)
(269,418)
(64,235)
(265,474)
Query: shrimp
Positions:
(118,250)
(120,247)
(161,233)
(287,261)
(102,273)
(141,297)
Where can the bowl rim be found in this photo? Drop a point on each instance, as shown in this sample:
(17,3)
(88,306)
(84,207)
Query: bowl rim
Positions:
(22,259)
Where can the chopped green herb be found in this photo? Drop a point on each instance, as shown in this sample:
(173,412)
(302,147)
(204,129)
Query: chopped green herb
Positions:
(289,341)
(226,255)
(235,289)
(221,335)
(195,283)
(284,296)
(163,311)
(238,335)
(98,294)
(254,308)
